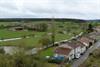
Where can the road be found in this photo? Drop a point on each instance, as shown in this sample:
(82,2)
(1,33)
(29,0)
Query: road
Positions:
(10,39)
(79,61)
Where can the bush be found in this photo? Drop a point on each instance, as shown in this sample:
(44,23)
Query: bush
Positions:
(20,60)
(45,41)
(2,50)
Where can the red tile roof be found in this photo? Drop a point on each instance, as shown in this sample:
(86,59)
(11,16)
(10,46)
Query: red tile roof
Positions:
(73,45)
(84,40)
(78,43)
(63,51)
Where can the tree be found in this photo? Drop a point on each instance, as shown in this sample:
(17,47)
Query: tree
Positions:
(90,28)
(45,40)
(41,27)
(20,59)
(2,50)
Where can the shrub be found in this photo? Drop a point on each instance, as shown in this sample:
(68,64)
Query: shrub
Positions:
(2,50)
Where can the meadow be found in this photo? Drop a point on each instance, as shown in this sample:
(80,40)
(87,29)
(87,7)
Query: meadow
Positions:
(63,31)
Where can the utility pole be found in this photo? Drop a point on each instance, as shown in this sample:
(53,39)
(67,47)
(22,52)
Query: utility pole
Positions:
(53,30)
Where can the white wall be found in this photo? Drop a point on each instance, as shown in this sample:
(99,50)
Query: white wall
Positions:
(77,52)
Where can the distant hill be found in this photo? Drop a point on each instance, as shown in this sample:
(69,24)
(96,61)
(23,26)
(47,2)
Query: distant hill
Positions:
(97,20)
(39,19)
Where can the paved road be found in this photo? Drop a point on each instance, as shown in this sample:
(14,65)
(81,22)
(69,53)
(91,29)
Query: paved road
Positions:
(76,63)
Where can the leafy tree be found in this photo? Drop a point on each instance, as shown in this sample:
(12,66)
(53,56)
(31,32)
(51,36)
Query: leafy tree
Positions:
(45,40)
(90,28)
(2,50)
(41,27)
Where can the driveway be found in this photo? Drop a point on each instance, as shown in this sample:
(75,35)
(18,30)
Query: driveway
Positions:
(79,61)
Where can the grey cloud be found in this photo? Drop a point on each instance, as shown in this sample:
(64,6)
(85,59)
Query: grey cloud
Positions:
(84,9)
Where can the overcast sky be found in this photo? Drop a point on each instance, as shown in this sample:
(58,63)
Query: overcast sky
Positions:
(80,9)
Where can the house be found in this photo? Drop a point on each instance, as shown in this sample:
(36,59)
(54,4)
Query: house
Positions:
(65,51)
(76,48)
(93,40)
(97,29)
(93,35)
(18,28)
(83,47)
(86,41)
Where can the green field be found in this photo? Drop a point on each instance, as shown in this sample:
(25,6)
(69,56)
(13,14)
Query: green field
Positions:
(5,34)
(47,52)
(33,40)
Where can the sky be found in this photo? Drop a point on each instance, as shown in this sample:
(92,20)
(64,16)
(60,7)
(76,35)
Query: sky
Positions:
(79,9)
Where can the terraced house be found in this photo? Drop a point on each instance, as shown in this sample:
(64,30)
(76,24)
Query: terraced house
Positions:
(76,48)
(70,50)
(65,51)
(86,41)
(82,46)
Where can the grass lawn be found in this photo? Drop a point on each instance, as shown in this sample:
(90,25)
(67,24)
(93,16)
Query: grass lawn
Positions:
(34,41)
(52,65)
(5,33)
(25,42)
(60,37)
(28,42)
(47,52)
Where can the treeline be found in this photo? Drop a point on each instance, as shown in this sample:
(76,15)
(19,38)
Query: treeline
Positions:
(41,27)
(39,19)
